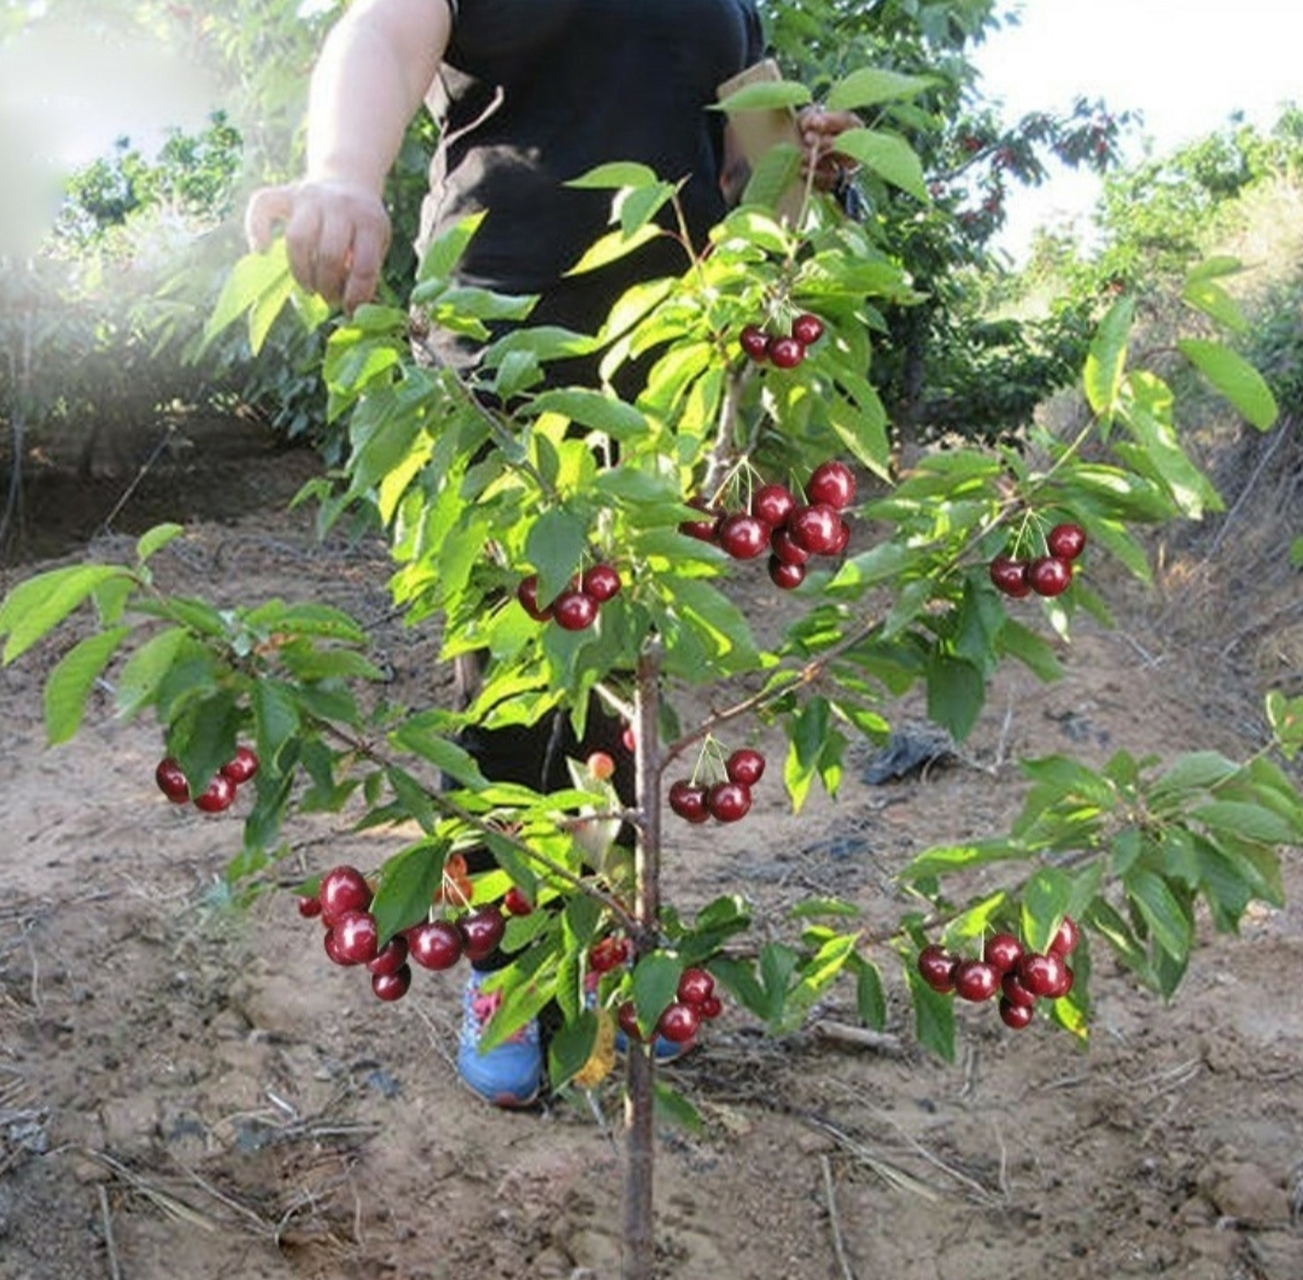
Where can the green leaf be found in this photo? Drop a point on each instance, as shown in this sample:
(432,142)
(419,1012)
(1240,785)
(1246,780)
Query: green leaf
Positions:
(1108,357)
(408,882)
(203,737)
(1045,899)
(955,693)
(145,669)
(594,409)
(154,539)
(1162,912)
(1247,821)
(69,684)
(1194,771)
(614,246)
(276,718)
(871,85)
(765,95)
(443,253)
(555,545)
(934,1016)
(39,604)
(870,999)
(1214,301)
(570,1048)
(452,759)
(619,173)
(412,798)
(777,965)
(671,1104)
(889,156)
(947,859)
(655,983)
(1031,649)
(1235,378)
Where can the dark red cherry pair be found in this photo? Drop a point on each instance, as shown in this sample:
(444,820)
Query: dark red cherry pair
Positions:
(221,790)
(1047,575)
(728,800)
(783,351)
(576,608)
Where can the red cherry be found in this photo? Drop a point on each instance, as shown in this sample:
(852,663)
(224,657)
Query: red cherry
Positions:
(515,903)
(688,800)
(574,611)
(710,1007)
(1067,937)
(772,504)
(1016,1016)
(743,536)
(976,980)
(436,945)
(600,583)
(785,548)
(608,953)
(832,483)
(356,936)
(309,908)
(626,1017)
(815,529)
(936,966)
(786,577)
(1065,986)
(391,957)
(1010,576)
(807,329)
(392,986)
(527,594)
(1049,576)
(745,766)
(1042,975)
(1066,541)
(629,739)
(755,342)
(1002,952)
(696,986)
(241,766)
(786,353)
(343,889)
(1015,992)
(481,931)
(728,801)
(843,538)
(679,1023)
(331,944)
(172,781)
(702,530)
(600,765)
(218,795)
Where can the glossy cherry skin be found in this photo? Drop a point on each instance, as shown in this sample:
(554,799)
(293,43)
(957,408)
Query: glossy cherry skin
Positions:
(309,907)
(172,781)
(600,583)
(1049,576)
(696,986)
(1042,975)
(936,966)
(515,903)
(343,889)
(1067,937)
(743,536)
(1002,951)
(626,1017)
(755,342)
(356,936)
(786,353)
(331,944)
(1009,575)
(481,931)
(843,538)
(1065,986)
(1066,541)
(1016,1016)
(772,504)
(679,1023)
(976,980)
(688,800)
(219,794)
(728,801)
(607,953)
(784,548)
(391,957)
(574,611)
(710,1007)
(816,529)
(527,594)
(241,766)
(436,945)
(807,329)
(832,483)
(786,577)
(703,530)
(746,766)
(392,986)
(1015,992)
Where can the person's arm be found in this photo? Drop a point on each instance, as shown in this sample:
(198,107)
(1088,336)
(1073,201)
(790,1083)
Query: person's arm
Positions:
(373,73)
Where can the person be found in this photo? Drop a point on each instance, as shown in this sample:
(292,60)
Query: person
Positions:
(527,94)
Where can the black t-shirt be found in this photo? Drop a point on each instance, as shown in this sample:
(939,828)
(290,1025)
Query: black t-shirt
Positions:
(535,92)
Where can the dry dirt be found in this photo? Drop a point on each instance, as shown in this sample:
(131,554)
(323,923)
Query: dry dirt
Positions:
(190,1092)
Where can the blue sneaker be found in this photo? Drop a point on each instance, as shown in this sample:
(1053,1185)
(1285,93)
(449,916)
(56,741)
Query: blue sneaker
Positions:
(509,1075)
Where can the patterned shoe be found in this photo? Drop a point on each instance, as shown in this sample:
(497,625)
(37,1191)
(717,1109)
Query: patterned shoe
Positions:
(509,1075)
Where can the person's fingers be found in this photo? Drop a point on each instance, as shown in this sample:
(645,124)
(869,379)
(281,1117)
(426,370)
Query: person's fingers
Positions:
(334,241)
(265,209)
(302,234)
(369,246)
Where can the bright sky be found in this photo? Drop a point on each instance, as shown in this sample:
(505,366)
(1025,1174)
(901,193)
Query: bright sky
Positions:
(1184,64)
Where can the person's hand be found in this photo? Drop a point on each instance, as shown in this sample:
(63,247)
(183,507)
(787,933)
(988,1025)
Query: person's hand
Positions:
(336,236)
(819,130)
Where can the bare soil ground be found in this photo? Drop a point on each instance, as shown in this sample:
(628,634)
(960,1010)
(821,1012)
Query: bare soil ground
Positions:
(187,1091)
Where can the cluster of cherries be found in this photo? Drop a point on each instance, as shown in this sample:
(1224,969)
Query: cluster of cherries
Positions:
(1047,575)
(729,799)
(694,1002)
(1020,977)
(784,351)
(342,901)
(790,531)
(219,794)
(576,608)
